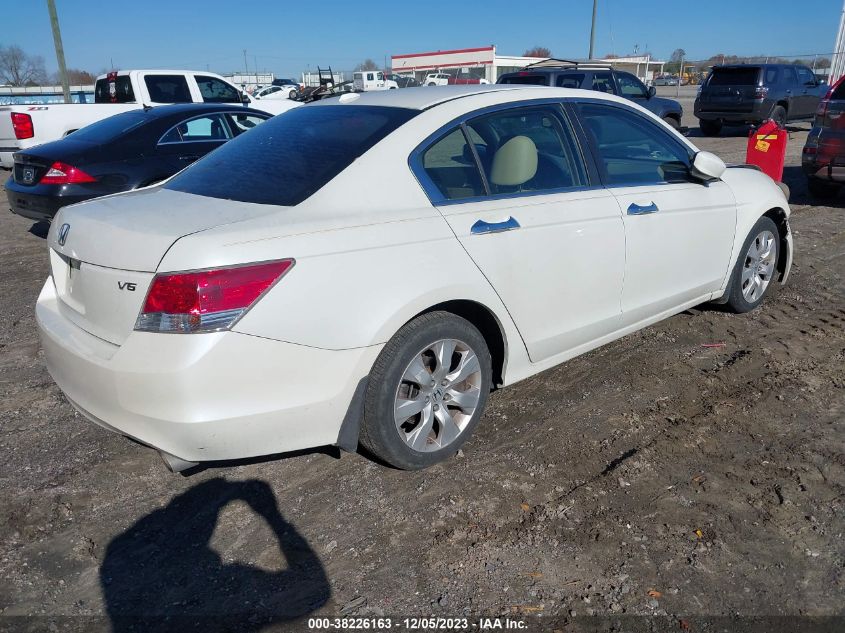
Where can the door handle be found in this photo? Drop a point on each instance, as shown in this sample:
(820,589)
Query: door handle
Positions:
(481,226)
(636,209)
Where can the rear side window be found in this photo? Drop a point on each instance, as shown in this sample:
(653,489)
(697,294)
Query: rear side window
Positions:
(215,91)
(112,127)
(452,167)
(570,80)
(168,88)
(633,150)
(734,76)
(528,150)
(291,156)
(117,91)
(772,75)
(531,80)
(603,82)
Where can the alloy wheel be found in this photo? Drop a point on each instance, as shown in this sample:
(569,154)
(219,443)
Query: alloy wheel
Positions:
(759,266)
(437,395)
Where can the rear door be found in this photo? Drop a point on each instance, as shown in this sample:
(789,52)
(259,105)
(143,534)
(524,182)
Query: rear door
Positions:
(551,246)
(678,231)
(806,92)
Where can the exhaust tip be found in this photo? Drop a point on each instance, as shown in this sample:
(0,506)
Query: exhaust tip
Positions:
(176,464)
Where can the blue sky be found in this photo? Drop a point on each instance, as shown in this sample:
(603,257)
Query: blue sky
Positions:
(288,36)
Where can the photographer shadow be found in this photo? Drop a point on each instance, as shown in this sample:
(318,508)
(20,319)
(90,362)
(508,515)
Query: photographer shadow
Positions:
(161,574)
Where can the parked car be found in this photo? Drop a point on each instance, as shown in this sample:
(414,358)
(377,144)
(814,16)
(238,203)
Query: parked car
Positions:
(739,94)
(22,127)
(436,79)
(403,81)
(600,77)
(277,92)
(120,153)
(365,81)
(665,80)
(823,157)
(291,304)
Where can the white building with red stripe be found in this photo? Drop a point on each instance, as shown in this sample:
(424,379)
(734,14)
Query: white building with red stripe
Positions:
(484,63)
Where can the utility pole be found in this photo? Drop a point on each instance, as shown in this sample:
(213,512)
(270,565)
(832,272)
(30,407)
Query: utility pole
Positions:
(246,68)
(60,51)
(680,77)
(593,29)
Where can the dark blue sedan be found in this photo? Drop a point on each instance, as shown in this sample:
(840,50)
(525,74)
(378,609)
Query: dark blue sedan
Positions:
(120,153)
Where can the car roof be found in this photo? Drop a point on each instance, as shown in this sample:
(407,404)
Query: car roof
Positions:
(198,108)
(419,98)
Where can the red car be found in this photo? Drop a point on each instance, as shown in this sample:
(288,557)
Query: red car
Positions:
(823,157)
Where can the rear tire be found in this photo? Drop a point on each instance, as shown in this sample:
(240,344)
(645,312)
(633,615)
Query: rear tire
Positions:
(821,189)
(418,410)
(779,115)
(756,267)
(673,122)
(710,128)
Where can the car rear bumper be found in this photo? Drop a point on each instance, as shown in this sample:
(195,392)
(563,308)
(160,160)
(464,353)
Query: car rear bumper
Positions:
(203,397)
(39,206)
(755,113)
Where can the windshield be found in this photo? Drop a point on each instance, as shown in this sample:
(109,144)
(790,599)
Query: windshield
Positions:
(111,127)
(291,156)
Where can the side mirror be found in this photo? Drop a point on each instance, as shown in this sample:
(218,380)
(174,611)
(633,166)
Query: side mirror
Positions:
(651,92)
(707,166)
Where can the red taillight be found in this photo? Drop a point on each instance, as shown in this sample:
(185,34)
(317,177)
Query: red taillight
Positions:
(63,174)
(206,300)
(22,124)
(821,111)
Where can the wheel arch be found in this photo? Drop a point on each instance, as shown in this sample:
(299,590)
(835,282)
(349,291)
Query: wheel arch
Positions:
(485,320)
(780,218)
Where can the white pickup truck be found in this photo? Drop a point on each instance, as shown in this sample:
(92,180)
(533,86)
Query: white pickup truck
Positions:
(24,126)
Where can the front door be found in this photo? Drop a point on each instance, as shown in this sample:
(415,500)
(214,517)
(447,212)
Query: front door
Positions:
(679,232)
(553,249)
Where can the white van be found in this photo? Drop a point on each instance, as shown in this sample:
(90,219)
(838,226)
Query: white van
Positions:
(366,80)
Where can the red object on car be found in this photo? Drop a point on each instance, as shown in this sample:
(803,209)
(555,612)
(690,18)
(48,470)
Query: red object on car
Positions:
(22,125)
(767,149)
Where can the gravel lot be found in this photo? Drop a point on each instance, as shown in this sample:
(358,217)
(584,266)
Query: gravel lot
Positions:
(653,476)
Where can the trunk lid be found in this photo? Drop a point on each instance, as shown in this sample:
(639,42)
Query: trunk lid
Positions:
(31,165)
(104,253)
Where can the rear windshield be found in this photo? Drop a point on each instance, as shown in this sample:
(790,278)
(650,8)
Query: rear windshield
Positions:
(533,80)
(734,76)
(111,127)
(120,92)
(291,156)
(839,91)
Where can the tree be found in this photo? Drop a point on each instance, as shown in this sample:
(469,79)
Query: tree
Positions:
(19,69)
(537,51)
(367,64)
(677,55)
(76,77)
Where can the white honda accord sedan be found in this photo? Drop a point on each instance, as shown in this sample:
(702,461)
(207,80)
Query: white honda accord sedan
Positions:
(364,270)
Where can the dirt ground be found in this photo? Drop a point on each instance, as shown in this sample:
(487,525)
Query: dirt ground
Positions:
(652,477)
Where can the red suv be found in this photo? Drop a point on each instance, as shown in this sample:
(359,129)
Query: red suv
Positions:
(823,158)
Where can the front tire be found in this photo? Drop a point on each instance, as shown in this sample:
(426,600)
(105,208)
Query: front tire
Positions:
(756,267)
(710,128)
(427,391)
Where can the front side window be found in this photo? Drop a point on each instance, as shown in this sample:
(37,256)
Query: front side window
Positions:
(291,156)
(241,122)
(214,90)
(200,129)
(168,89)
(630,86)
(631,149)
(805,76)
